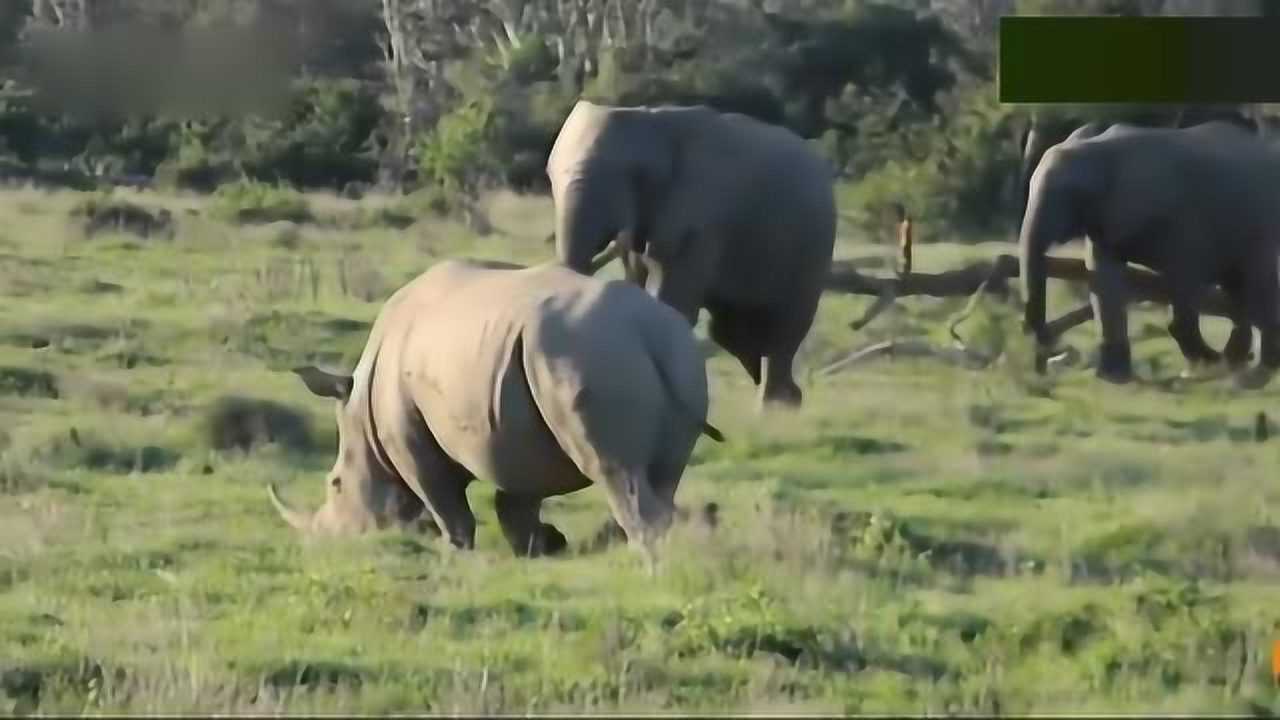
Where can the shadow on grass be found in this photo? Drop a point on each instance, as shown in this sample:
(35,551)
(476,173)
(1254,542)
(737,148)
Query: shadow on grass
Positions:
(26,685)
(28,382)
(317,674)
(831,446)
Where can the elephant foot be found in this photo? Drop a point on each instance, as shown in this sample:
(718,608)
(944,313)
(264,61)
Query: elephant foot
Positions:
(1115,377)
(781,397)
(1114,364)
(1203,370)
(547,541)
(1254,378)
(1239,349)
(553,541)
(1238,361)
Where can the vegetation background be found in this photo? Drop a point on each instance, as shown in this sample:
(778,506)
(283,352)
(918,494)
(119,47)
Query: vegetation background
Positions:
(203,193)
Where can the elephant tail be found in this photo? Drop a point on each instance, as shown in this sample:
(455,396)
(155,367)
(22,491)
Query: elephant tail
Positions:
(712,432)
(662,355)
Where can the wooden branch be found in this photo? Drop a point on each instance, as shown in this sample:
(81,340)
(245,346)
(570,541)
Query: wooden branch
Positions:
(908,348)
(965,281)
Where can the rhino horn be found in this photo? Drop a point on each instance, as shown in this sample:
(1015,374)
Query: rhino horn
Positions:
(298,520)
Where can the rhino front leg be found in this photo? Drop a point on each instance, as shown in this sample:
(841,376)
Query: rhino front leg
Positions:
(519,517)
(439,481)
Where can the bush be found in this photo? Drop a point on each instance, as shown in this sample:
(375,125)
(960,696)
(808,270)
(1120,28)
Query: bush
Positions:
(323,143)
(456,158)
(104,213)
(250,201)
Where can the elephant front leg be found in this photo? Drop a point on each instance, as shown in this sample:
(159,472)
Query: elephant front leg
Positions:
(519,517)
(1185,329)
(735,330)
(1109,297)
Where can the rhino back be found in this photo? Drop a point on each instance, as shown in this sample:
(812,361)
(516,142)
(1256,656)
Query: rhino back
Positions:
(459,358)
(593,376)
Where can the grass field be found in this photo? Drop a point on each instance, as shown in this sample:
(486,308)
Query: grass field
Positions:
(920,538)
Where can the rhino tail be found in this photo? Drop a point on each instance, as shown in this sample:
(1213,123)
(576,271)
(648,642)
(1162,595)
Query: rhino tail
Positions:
(662,363)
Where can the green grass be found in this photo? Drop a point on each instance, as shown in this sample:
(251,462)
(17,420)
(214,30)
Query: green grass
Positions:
(920,538)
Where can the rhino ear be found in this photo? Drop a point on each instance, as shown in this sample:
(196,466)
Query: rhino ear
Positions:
(326,384)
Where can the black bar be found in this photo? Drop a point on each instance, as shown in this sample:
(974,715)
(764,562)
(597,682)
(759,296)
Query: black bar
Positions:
(1139,59)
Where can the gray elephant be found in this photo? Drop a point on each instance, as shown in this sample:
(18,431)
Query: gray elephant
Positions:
(541,379)
(1048,129)
(726,213)
(1194,205)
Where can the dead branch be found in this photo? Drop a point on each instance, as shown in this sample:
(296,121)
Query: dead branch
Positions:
(882,303)
(974,299)
(993,277)
(908,348)
(974,281)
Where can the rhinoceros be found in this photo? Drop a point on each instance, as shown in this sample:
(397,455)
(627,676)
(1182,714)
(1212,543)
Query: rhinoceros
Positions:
(539,379)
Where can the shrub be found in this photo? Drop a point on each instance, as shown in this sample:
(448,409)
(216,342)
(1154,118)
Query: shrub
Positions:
(250,201)
(103,213)
(455,157)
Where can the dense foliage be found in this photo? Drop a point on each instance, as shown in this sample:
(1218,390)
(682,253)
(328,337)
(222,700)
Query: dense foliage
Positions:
(453,97)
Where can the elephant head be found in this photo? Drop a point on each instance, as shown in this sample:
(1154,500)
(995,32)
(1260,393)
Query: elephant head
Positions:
(362,491)
(609,168)
(1065,202)
(1040,135)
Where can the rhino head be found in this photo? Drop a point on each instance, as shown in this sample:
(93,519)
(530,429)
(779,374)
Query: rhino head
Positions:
(362,491)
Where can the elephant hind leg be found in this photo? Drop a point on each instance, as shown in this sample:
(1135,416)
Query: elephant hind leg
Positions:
(788,326)
(780,388)
(1238,350)
(519,517)
(765,341)
(1262,293)
(1264,307)
(737,329)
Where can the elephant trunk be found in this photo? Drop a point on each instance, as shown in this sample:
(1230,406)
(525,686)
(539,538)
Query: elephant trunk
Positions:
(1033,246)
(1033,147)
(590,212)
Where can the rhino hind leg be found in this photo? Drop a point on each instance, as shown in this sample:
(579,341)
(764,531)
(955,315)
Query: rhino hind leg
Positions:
(519,517)
(645,515)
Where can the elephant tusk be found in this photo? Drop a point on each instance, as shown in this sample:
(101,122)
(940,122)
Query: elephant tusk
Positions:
(297,520)
(605,257)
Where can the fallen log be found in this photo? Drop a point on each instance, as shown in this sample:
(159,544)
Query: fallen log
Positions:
(1144,285)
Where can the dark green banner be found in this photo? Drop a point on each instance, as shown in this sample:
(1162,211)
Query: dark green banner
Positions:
(1139,59)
